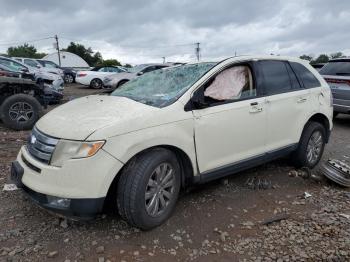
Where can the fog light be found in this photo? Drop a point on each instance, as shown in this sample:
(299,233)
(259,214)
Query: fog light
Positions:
(58,202)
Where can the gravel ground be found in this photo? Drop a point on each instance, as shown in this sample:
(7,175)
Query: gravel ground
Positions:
(227,220)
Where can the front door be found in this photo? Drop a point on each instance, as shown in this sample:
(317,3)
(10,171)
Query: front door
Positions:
(231,128)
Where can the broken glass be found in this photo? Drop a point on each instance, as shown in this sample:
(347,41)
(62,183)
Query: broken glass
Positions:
(162,87)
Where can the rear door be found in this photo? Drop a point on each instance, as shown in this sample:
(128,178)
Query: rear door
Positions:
(286,104)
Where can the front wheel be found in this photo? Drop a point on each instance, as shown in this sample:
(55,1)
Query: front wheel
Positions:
(20,112)
(148,188)
(311,146)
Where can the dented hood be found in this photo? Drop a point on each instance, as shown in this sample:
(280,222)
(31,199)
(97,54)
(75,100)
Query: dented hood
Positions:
(80,118)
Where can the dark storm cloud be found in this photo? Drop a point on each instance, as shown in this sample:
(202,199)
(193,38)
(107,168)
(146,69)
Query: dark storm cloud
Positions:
(138,31)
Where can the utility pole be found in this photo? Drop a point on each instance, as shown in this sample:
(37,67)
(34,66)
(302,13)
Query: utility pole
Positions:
(163,59)
(58,50)
(197,50)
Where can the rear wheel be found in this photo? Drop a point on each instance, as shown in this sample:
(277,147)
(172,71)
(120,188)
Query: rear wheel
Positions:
(96,83)
(311,146)
(68,78)
(148,188)
(20,112)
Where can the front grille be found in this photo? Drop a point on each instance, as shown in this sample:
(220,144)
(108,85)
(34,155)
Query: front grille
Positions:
(41,146)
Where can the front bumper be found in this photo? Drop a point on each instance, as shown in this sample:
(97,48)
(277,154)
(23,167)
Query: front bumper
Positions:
(82,183)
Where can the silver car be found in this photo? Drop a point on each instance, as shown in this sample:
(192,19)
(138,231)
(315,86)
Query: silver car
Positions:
(337,73)
(116,80)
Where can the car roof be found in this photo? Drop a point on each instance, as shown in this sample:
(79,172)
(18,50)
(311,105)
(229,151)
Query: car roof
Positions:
(256,57)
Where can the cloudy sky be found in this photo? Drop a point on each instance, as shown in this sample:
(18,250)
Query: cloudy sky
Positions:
(145,31)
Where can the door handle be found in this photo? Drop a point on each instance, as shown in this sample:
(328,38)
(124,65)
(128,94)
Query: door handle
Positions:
(255,108)
(301,100)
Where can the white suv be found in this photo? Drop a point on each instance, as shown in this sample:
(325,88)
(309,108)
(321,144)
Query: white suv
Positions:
(172,128)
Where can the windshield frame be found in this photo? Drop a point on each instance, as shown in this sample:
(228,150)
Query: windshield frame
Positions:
(180,92)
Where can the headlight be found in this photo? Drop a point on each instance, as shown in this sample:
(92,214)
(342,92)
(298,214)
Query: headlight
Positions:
(66,150)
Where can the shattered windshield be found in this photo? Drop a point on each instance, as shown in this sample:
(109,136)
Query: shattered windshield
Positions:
(162,87)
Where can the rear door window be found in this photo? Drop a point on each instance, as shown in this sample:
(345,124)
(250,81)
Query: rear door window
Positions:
(276,79)
(307,78)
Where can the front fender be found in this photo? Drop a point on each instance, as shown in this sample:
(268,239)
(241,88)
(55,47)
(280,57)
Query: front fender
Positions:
(178,134)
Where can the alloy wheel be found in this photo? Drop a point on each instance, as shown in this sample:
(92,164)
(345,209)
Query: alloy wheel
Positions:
(314,147)
(21,112)
(160,189)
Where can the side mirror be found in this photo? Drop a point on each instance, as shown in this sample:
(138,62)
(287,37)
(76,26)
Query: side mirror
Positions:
(140,73)
(38,66)
(198,100)
(24,70)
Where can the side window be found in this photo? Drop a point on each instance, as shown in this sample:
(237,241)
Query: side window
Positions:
(232,84)
(102,69)
(275,77)
(293,78)
(307,78)
(30,63)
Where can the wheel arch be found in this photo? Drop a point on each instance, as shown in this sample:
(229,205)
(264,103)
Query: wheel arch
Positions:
(187,171)
(323,120)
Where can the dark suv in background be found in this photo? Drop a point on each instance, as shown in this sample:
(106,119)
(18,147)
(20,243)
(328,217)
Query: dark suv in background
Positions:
(337,73)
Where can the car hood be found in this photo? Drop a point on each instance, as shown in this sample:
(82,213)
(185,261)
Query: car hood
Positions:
(80,118)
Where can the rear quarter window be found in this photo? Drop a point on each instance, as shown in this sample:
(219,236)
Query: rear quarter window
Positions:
(306,77)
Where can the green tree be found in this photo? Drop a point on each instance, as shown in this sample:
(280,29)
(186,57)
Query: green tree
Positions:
(337,55)
(110,62)
(323,58)
(127,65)
(306,57)
(87,54)
(24,50)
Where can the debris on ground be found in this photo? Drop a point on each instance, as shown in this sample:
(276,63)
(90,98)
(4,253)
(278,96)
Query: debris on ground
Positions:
(258,183)
(337,171)
(307,195)
(277,218)
(10,187)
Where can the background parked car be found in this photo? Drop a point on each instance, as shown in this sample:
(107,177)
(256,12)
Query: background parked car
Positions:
(337,73)
(94,77)
(116,80)
(52,83)
(35,64)
(68,73)
(21,98)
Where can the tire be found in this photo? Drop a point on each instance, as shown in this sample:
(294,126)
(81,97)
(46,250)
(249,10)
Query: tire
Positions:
(122,82)
(20,112)
(306,155)
(135,182)
(68,78)
(96,83)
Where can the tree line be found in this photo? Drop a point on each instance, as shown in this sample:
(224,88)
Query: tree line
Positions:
(91,57)
(322,58)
